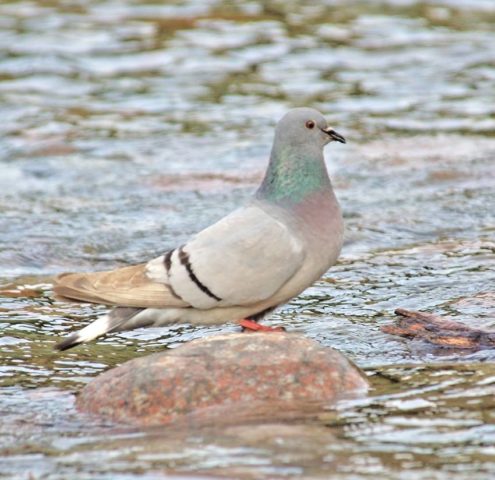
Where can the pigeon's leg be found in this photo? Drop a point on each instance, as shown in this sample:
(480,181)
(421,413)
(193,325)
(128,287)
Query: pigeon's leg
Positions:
(252,326)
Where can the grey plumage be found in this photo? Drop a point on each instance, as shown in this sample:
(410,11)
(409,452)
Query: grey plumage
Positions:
(111,322)
(249,262)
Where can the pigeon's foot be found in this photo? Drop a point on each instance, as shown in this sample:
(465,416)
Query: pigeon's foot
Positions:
(251,326)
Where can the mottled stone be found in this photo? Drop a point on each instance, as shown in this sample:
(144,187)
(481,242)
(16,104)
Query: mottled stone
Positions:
(225,379)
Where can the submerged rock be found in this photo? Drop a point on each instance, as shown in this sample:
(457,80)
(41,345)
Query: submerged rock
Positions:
(225,379)
(440,331)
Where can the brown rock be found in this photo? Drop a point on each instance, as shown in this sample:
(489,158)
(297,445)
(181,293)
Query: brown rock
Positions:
(225,379)
(439,331)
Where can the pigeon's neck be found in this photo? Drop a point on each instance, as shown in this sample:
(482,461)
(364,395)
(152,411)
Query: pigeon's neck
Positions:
(293,174)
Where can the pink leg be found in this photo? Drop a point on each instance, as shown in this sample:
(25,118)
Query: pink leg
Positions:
(251,326)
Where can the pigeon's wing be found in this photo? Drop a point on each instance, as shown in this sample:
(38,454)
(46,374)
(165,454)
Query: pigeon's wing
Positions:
(128,286)
(240,260)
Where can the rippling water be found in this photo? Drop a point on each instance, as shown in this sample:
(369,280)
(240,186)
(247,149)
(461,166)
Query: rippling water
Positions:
(128,125)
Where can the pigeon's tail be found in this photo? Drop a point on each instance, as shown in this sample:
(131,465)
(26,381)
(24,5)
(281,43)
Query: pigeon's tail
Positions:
(110,322)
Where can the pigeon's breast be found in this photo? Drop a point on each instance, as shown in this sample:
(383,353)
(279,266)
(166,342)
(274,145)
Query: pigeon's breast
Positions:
(320,221)
(318,224)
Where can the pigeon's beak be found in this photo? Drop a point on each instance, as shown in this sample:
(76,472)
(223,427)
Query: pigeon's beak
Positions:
(333,134)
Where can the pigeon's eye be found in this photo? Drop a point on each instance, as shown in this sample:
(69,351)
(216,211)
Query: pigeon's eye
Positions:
(310,124)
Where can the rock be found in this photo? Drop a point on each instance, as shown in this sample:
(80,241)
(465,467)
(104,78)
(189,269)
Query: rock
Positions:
(225,379)
(440,331)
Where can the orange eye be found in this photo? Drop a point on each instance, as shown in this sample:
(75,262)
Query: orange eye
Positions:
(310,124)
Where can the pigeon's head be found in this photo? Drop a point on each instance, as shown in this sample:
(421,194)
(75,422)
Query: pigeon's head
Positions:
(306,127)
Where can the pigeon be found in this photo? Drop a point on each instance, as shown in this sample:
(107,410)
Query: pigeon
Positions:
(240,268)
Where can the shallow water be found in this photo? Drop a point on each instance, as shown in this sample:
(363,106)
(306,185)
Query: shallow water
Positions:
(128,125)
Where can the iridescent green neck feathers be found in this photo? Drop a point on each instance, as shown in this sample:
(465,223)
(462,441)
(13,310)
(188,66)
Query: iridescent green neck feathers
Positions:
(294,173)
